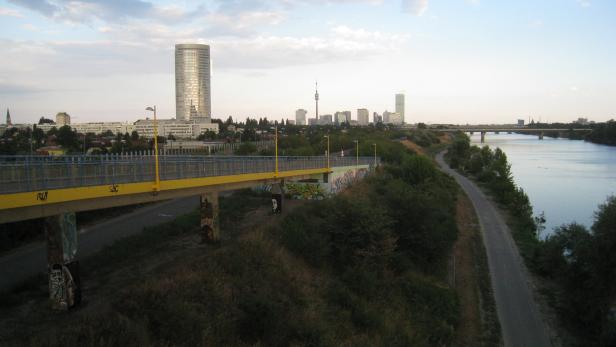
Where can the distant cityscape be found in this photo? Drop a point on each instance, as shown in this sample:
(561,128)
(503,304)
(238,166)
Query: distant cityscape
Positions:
(193,107)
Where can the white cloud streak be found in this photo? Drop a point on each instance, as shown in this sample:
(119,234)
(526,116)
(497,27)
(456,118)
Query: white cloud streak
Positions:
(416,7)
(9,12)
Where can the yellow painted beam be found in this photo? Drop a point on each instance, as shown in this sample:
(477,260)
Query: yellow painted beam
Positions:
(54,196)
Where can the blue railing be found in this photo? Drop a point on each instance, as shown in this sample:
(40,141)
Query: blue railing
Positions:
(34,173)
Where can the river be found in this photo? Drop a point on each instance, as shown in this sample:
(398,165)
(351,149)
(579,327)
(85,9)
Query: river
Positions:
(565,179)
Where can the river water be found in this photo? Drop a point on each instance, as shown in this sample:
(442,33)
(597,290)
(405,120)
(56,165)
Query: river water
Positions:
(565,179)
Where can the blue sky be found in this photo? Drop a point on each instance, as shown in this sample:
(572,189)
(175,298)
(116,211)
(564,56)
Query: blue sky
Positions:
(458,61)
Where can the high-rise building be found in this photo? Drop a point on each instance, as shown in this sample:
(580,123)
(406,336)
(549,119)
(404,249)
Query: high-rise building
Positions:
(8,118)
(325,119)
(192,82)
(395,118)
(300,116)
(62,119)
(363,116)
(342,117)
(400,106)
(376,118)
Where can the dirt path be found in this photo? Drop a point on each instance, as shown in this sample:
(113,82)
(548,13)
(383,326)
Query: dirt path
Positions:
(413,146)
(478,321)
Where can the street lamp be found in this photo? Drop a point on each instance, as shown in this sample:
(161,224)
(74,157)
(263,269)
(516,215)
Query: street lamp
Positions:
(157,184)
(276,142)
(356,152)
(327,137)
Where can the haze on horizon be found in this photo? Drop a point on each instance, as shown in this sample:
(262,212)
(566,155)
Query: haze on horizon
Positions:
(457,61)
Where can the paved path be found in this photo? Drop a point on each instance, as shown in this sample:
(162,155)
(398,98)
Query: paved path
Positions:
(30,260)
(519,316)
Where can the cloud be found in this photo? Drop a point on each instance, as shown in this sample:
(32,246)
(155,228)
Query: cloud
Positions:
(584,3)
(8,12)
(10,88)
(112,11)
(416,7)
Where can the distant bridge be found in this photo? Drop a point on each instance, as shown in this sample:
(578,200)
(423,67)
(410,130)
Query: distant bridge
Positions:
(483,130)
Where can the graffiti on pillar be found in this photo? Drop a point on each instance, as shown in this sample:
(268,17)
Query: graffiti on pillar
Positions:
(114,188)
(57,289)
(69,236)
(350,177)
(277,203)
(207,220)
(42,196)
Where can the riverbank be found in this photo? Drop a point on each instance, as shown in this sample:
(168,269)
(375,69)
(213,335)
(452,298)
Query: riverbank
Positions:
(520,320)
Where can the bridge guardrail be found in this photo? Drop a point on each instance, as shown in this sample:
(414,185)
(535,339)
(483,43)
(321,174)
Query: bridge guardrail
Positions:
(37,173)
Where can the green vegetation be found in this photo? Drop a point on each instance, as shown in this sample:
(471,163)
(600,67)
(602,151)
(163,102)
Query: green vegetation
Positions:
(604,133)
(582,263)
(491,169)
(367,267)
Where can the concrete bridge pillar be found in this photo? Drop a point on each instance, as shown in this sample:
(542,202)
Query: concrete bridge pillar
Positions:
(472,132)
(64,282)
(541,135)
(210,229)
(483,136)
(277,198)
(497,132)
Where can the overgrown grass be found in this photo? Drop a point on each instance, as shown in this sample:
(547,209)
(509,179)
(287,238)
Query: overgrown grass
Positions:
(364,268)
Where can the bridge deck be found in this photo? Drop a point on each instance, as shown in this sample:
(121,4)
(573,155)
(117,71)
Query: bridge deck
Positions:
(33,181)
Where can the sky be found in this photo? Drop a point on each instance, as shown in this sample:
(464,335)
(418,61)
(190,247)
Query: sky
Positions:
(457,61)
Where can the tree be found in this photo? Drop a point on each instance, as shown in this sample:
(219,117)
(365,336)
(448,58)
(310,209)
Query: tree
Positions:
(44,120)
(67,138)
(134,136)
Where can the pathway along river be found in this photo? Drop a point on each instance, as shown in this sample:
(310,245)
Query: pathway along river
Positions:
(566,179)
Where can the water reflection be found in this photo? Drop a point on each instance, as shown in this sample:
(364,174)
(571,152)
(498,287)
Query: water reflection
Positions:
(566,179)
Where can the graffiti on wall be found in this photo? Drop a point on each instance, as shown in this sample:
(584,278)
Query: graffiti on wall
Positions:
(350,177)
(305,191)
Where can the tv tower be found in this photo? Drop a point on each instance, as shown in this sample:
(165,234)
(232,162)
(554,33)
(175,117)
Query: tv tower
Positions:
(8,118)
(316,97)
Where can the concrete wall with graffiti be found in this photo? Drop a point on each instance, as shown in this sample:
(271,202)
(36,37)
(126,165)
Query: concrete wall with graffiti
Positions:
(340,179)
(343,177)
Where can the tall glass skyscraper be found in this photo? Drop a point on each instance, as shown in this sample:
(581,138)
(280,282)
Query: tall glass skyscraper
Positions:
(192,82)
(400,106)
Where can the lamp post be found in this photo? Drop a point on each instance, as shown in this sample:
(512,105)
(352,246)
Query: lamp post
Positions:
(327,137)
(276,142)
(157,182)
(356,152)
(374,144)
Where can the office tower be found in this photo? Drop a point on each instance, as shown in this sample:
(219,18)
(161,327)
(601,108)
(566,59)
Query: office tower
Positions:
(395,118)
(192,82)
(342,117)
(62,119)
(400,106)
(325,119)
(300,116)
(386,117)
(376,118)
(8,118)
(363,116)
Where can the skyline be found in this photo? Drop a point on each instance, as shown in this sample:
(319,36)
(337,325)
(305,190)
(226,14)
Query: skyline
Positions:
(460,62)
